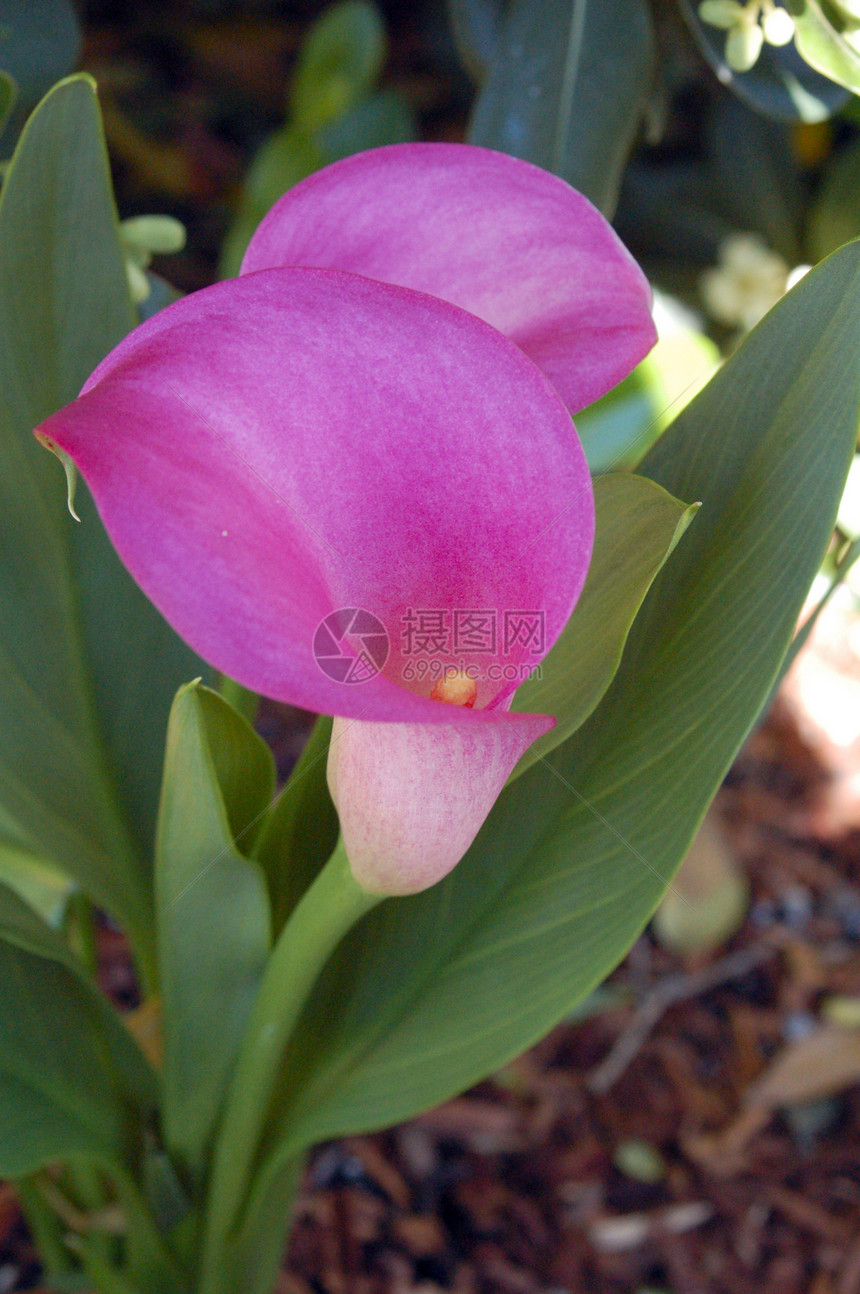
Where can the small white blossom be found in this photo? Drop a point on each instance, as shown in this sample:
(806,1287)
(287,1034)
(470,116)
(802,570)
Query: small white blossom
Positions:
(749,279)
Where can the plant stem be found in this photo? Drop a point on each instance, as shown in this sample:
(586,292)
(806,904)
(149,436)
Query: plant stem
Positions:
(45,1228)
(329,908)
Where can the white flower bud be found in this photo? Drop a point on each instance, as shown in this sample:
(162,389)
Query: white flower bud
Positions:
(721,13)
(848,9)
(777,27)
(743,46)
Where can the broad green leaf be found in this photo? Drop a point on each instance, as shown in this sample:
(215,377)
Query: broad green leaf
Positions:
(781,84)
(69,1069)
(88,667)
(431,993)
(637,526)
(36,881)
(619,429)
(301,831)
(212,905)
(476,24)
(824,46)
(339,62)
(566,89)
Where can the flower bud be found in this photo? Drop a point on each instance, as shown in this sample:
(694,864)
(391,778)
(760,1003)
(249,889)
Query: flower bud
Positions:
(721,13)
(777,27)
(743,46)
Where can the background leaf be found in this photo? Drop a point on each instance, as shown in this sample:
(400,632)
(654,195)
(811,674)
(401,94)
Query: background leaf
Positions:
(781,84)
(213,909)
(637,526)
(429,994)
(338,64)
(69,1070)
(88,667)
(300,833)
(823,46)
(8,94)
(566,89)
(476,25)
(39,42)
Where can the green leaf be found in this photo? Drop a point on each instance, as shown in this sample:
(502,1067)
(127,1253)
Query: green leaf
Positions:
(566,89)
(637,526)
(36,881)
(8,95)
(339,62)
(430,994)
(68,1066)
(781,84)
(476,25)
(824,46)
(88,667)
(212,905)
(834,217)
(300,833)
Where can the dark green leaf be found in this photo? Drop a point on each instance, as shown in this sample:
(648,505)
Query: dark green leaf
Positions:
(637,526)
(429,994)
(68,1066)
(781,84)
(88,667)
(476,24)
(566,89)
(8,94)
(301,831)
(213,910)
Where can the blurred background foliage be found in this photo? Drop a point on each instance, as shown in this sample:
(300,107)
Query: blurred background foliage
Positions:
(723,140)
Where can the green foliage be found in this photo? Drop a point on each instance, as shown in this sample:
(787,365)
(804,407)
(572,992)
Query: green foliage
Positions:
(8,94)
(781,84)
(338,64)
(431,993)
(824,45)
(557,66)
(476,25)
(637,526)
(212,905)
(300,833)
(69,1070)
(87,665)
(333,113)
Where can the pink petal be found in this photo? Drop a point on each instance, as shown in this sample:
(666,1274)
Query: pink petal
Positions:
(501,238)
(411,797)
(275,448)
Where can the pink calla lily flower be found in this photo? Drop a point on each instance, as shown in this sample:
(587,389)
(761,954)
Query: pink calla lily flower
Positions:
(365,433)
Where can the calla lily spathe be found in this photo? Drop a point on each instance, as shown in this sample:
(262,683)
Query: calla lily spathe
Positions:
(373,415)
